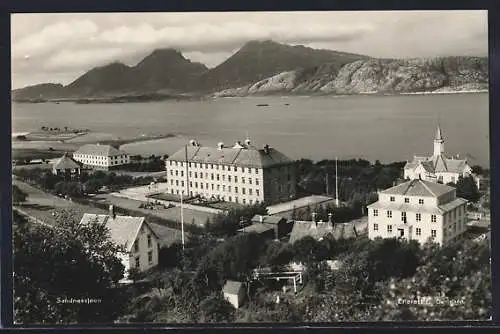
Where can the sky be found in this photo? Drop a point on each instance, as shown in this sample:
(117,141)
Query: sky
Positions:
(57,48)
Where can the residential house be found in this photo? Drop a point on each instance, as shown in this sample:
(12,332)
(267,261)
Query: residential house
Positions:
(319,230)
(273,226)
(418,210)
(140,242)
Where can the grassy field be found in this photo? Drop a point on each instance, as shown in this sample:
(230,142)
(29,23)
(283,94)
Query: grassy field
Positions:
(42,205)
(173,214)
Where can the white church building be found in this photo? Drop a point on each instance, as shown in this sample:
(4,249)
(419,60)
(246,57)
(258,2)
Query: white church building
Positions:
(440,167)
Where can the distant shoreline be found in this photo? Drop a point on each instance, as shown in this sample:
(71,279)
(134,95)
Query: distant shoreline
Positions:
(180,98)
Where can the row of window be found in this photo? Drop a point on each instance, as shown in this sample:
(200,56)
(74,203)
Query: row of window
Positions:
(215,177)
(138,259)
(418,216)
(136,244)
(418,230)
(214,187)
(100,157)
(407,200)
(214,166)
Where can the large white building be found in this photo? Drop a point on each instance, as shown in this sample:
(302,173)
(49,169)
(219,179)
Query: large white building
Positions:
(241,173)
(439,167)
(103,157)
(418,210)
(140,242)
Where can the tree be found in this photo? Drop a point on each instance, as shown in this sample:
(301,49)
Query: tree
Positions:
(215,309)
(467,189)
(18,196)
(66,261)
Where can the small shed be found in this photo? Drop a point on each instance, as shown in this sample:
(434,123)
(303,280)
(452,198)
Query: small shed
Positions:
(234,292)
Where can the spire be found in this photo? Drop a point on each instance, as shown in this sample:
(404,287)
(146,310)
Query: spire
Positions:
(439,135)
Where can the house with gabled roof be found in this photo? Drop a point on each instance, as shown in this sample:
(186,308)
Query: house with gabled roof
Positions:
(418,210)
(319,230)
(440,167)
(140,242)
(104,157)
(66,167)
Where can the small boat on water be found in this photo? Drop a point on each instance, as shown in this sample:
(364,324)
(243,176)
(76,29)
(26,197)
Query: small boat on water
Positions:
(262,105)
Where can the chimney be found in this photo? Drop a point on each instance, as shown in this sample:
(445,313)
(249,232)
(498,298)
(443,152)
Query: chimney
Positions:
(220,145)
(112,213)
(266,149)
(247,142)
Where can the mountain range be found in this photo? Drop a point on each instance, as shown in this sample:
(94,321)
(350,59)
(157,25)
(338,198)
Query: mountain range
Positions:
(267,67)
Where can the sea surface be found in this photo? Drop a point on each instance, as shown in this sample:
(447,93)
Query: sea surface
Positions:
(387,128)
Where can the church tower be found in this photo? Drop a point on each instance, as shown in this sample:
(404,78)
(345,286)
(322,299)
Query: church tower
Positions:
(438,142)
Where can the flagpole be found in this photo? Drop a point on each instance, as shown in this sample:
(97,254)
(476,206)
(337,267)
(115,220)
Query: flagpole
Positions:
(336,183)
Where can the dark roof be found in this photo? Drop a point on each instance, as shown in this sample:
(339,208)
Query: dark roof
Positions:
(418,187)
(232,287)
(257,228)
(246,156)
(65,162)
(99,150)
(267,219)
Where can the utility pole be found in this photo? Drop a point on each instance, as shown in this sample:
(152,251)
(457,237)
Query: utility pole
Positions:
(182,224)
(336,182)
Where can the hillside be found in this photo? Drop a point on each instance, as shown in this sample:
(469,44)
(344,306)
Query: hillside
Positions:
(257,60)
(375,76)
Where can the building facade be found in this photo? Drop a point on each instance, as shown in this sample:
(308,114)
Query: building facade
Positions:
(140,241)
(418,210)
(101,157)
(440,167)
(241,173)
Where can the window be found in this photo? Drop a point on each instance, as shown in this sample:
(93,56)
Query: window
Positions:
(236,199)
(150,257)
(235,168)
(389,214)
(403,216)
(392,198)
(229,178)
(433,218)
(420,201)
(418,217)
(418,231)
(223,187)
(218,177)
(407,200)
(212,176)
(235,179)
(242,180)
(195,175)
(250,191)
(177,182)
(229,188)
(256,171)
(136,246)
(213,187)
(375,227)
(218,187)
(243,191)
(236,190)
(182,183)
(137,262)
(375,212)
(244,201)
(389,228)
(250,180)
(257,182)
(182,173)
(433,233)
(150,243)
(257,191)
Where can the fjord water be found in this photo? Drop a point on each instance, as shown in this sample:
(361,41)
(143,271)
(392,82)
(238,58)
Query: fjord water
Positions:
(387,128)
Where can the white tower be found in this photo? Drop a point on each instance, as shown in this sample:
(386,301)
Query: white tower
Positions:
(438,142)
